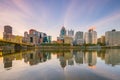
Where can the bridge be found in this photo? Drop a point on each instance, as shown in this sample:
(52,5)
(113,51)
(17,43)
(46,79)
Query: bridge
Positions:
(15,45)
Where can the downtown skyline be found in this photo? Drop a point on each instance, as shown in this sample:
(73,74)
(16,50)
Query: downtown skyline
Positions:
(50,15)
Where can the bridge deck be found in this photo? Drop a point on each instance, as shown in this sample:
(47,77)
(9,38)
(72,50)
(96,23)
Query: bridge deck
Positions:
(10,42)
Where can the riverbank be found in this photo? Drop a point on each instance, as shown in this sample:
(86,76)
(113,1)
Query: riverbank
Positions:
(61,48)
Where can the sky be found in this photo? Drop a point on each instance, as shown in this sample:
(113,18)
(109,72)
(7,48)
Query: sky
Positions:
(50,15)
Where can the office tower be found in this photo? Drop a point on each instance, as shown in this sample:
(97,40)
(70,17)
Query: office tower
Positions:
(62,32)
(60,39)
(91,37)
(79,38)
(7,34)
(112,38)
(71,33)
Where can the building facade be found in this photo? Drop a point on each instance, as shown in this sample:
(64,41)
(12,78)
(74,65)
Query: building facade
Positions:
(79,40)
(101,40)
(68,40)
(7,34)
(91,37)
(35,37)
(112,38)
(62,32)
(71,33)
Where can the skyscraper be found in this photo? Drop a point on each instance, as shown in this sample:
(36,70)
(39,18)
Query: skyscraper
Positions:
(79,38)
(63,32)
(7,34)
(60,39)
(91,37)
(71,33)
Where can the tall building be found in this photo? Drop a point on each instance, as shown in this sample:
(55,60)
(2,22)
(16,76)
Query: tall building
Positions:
(79,38)
(71,33)
(91,37)
(60,39)
(62,32)
(112,38)
(7,34)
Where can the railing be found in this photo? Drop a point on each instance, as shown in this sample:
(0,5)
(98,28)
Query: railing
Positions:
(15,42)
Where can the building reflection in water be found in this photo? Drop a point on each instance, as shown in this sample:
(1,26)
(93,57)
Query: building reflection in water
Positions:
(31,57)
(112,57)
(78,57)
(90,58)
(72,57)
(36,57)
(7,62)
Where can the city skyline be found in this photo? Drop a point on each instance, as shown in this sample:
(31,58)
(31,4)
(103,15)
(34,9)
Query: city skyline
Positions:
(50,15)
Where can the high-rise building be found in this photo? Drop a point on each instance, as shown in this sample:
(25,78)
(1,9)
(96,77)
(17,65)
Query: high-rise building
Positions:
(60,39)
(91,37)
(7,34)
(79,38)
(62,32)
(71,33)
(112,38)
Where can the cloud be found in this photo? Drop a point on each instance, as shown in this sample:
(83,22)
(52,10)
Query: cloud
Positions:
(83,12)
(23,6)
(108,19)
(11,16)
(22,15)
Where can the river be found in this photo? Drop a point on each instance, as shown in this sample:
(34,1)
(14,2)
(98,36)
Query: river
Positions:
(60,65)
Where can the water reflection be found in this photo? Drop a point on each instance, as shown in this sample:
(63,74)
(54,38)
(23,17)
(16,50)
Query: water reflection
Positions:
(86,59)
(111,56)
(36,57)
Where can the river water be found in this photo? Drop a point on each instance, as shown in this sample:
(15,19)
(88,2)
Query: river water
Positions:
(60,65)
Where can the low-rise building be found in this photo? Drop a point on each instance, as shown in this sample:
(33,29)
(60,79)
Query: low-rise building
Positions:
(68,40)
